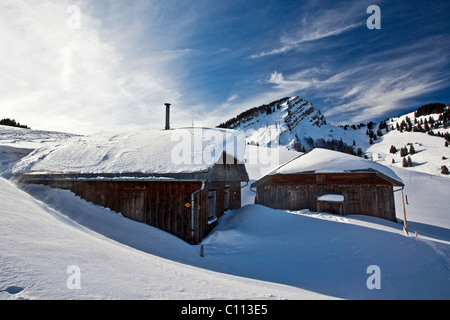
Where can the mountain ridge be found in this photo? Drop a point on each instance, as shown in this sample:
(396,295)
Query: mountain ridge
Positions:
(294,123)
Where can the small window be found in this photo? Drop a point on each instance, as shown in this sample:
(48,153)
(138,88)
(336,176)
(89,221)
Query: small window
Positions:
(320,178)
(226,198)
(212,206)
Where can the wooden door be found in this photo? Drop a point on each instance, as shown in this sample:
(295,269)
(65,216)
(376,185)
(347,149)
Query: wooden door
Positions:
(133,204)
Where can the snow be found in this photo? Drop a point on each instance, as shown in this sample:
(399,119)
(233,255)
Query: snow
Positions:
(276,129)
(30,139)
(147,151)
(331,198)
(38,245)
(253,253)
(428,157)
(259,161)
(328,161)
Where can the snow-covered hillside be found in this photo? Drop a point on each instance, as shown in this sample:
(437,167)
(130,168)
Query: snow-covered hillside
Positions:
(430,152)
(31,139)
(295,124)
(253,253)
(15,143)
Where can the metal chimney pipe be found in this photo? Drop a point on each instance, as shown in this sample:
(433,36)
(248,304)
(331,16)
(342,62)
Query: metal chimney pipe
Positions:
(167,116)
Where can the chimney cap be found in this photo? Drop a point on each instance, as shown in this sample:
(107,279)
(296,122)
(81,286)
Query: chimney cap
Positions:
(167,104)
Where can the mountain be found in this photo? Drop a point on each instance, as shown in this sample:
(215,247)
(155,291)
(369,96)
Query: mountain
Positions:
(295,124)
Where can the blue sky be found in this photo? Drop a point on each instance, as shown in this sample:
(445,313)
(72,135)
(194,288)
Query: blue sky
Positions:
(113,64)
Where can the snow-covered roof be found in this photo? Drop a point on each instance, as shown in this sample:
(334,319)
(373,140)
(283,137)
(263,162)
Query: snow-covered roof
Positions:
(328,161)
(184,150)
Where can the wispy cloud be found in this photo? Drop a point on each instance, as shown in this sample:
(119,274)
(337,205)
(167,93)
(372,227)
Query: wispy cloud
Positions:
(291,84)
(370,86)
(293,44)
(385,82)
(232,98)
(316,26)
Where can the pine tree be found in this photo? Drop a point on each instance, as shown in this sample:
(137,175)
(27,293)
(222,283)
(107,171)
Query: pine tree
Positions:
(425,125)
(444,170)
(404,163)
(403,152)
(297,145)
(12,123)
(419,128)
(412,150)
(409,161)
(359,152)
(393,149)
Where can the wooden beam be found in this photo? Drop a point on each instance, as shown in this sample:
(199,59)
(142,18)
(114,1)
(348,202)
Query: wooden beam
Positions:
(405,224)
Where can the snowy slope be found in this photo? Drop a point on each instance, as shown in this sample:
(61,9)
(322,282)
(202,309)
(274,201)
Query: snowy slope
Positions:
(330,256)
(310,256)
(428,157)
(254,252)
(30,138)
(295,124)
(15,143)
(38,244)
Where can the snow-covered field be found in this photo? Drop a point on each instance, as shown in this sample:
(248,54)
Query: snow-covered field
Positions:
(428,156)
(52,241)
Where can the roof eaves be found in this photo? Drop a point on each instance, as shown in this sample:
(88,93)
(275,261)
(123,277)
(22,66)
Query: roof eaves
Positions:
(61,176)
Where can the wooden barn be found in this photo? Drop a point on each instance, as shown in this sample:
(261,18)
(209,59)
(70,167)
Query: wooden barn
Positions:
(180,181)
(330,181)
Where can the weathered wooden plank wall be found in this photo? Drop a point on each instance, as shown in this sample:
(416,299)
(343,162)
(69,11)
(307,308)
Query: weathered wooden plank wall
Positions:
(373,197)
(160,204)
(165,205)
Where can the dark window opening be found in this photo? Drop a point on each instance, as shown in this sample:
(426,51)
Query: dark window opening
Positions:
(212,206)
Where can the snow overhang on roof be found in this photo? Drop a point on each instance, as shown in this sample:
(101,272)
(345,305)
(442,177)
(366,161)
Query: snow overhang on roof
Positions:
(158,153)
(331,162)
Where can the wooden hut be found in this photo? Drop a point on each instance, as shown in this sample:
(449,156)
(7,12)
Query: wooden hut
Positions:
(180,181)
(330,181)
